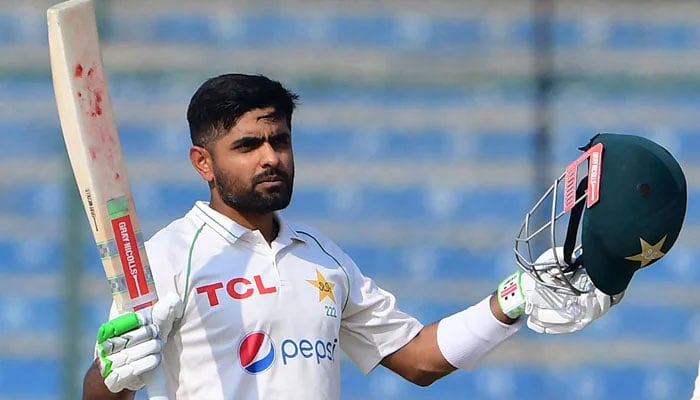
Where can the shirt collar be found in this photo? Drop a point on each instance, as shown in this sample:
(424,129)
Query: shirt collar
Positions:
(286,234)
(232,231)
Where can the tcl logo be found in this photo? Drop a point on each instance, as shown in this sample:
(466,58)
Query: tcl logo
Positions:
(237,288)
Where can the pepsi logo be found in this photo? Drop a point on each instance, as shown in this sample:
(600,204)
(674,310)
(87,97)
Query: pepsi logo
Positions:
(256,353)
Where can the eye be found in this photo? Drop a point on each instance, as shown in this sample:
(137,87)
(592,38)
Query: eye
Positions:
(281,140)
(246,144)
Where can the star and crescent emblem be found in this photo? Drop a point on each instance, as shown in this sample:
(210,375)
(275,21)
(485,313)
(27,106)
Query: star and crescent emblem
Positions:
(325,288)
(650,252)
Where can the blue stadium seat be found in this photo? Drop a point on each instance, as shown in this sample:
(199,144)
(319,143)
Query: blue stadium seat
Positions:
(393,203)
(457,33)
(264,29)
(503,205)
(678,266)
(328,143)
(29,314)
(395,96)
(47,199)
(688,143)
(394,31)
(94,312)
(10,29)
(462,263)
(30,378)
(308,202)
(33,87)
(565,32)
(134,29)
(631,34)
(630,321)
(322,143)
(505,146)
(371,31)
(39,139)
(499,204)
(26,314)
(423,145)
(30,256)
(488,382)
(368,204)
(183,28)
(129,90)
(447,262)
(646,382)
(427,262)
(167,200)
(341,143)
(140,140)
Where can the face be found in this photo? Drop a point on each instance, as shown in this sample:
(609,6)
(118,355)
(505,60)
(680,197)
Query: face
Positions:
(253,166)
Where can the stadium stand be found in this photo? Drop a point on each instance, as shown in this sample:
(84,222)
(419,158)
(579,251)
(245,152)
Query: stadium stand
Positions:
(416,151)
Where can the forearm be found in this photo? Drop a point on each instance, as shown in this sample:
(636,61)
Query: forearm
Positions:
(469,334)
(94,387)
(420,361)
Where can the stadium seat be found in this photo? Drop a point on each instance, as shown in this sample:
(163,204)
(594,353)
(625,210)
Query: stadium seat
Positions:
(30,378)
(486,44)
(627,34)
(183,28)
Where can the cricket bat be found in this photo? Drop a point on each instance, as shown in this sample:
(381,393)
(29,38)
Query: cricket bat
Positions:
(92,142)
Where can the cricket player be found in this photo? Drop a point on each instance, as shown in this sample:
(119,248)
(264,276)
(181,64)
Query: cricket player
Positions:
(254,306)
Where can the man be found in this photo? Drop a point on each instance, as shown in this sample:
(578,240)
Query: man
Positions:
(256,307)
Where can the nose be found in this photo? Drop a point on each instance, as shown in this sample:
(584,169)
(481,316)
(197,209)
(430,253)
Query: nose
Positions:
(269,157)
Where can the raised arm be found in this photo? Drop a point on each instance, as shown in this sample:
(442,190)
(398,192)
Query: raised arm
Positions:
(480,328)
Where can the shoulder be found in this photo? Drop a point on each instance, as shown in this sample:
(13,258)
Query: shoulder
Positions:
(175,238)
(313,236)
(318,242)
(176,230)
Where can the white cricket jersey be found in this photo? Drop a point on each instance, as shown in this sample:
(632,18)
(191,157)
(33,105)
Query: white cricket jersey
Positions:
(267,321)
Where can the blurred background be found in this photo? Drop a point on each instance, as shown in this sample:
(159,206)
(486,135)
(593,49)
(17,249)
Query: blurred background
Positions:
(425,131)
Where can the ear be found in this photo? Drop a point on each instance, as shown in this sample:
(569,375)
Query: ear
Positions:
(202,162)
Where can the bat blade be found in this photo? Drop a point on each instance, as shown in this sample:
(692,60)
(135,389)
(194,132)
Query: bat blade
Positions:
(92,142)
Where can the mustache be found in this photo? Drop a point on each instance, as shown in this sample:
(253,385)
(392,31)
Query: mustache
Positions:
(273,172)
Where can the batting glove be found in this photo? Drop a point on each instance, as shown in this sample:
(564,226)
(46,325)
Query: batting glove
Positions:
(555,312)
(131,345)
(549,311)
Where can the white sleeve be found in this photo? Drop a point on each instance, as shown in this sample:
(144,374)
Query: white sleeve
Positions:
(696,391)
(372,327)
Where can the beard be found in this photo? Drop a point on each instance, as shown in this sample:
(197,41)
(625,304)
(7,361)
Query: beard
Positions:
(248,199)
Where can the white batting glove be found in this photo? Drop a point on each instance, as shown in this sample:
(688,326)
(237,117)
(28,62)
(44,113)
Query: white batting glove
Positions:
(556,312)
(549,311)
(130,345)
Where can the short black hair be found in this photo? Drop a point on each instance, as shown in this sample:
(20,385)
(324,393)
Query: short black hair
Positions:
(220,101)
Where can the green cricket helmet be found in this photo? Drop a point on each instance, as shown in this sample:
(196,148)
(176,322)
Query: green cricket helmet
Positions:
(627,193)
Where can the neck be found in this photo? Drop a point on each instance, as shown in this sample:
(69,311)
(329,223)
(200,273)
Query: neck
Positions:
(265,223)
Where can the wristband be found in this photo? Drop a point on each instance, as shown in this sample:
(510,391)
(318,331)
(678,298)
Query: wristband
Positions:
(466,337)
(510,296)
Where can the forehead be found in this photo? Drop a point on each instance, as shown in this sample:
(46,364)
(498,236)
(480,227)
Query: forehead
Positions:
(259,121)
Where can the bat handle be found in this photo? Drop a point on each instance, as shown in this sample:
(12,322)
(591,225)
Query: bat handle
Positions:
(156,385)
